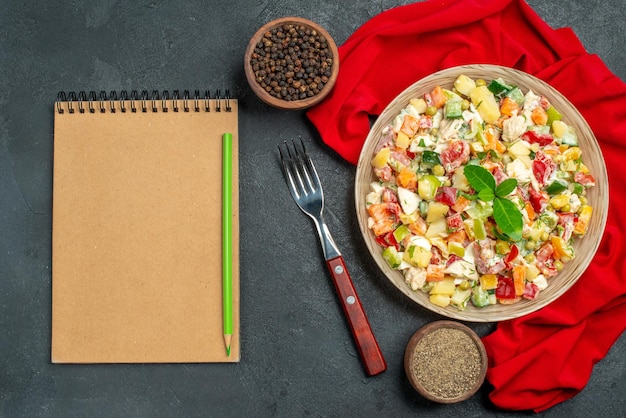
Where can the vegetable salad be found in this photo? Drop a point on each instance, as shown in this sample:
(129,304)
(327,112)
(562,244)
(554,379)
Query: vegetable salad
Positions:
(480,193)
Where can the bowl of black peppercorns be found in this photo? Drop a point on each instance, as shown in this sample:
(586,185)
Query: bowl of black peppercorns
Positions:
(291,63)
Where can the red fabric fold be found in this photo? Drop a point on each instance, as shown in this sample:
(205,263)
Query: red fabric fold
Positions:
(546,357)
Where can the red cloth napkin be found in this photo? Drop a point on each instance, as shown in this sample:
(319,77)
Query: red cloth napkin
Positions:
(546,357)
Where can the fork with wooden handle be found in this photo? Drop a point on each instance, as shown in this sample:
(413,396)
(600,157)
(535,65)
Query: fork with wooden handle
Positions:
(306,190)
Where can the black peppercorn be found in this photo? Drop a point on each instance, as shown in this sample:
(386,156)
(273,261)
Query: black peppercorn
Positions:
(292,62)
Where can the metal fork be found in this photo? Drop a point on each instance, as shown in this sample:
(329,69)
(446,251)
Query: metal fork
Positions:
(306,189)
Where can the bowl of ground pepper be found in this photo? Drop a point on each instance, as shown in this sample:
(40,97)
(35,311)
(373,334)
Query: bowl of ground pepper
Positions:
(291,63)
(445,362)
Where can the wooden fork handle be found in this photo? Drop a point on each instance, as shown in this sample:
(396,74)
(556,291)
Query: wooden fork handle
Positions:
(370,353)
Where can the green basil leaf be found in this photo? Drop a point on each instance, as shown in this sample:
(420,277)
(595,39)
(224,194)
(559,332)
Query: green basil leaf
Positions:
(508,218)
(479,178)
(506,187)
(486,195)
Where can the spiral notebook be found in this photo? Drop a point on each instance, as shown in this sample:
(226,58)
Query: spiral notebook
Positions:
(136,228)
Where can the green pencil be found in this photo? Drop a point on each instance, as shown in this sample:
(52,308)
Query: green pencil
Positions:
(227,276)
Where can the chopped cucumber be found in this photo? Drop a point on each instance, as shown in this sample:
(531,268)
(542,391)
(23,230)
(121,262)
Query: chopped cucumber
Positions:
(499,87)
(453,109)
(392,257)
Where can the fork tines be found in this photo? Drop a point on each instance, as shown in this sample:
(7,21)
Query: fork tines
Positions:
(298,169)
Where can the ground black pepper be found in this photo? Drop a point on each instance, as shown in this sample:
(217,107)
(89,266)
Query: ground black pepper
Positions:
(447,363)
(292,62)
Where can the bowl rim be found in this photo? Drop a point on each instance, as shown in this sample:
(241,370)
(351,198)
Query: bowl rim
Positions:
(290,104)
(498,312)
(428,329)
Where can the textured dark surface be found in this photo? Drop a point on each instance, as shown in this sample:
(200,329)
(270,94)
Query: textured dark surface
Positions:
(297,355)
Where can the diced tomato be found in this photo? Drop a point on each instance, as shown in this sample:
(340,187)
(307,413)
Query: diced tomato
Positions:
(512,255)
(544,260)
(388,240)
(454,221)
(452,259)
(446,195)
(538,199)
(505,288)
(536,138)
(455,155)
(585,179)
(567,218)
(544,253)
(543,167)
(531,291)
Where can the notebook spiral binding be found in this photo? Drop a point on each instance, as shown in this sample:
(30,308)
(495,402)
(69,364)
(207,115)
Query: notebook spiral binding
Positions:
(154,102)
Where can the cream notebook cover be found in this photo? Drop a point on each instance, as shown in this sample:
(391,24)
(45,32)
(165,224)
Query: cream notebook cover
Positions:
(136,229)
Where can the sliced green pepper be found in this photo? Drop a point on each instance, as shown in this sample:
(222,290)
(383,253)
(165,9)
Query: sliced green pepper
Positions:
(553,115)
(431,157)
(556,187)
(499,87)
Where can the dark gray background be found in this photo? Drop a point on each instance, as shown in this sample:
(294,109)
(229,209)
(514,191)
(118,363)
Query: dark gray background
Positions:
(297,355)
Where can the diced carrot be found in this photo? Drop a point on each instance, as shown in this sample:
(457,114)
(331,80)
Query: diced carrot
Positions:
(434,273)
(419,226)
(438,97)
(410,125)
(509,107)
(461,203)
(509,301)
(493,142)
(539,116)
(500,147)
(457,236)
(407,178)
(530,211)
(583,220)
(519,276)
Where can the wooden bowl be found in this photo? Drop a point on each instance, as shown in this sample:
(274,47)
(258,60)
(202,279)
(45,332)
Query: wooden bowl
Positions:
(597,196)
(289,103)
(445,362)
